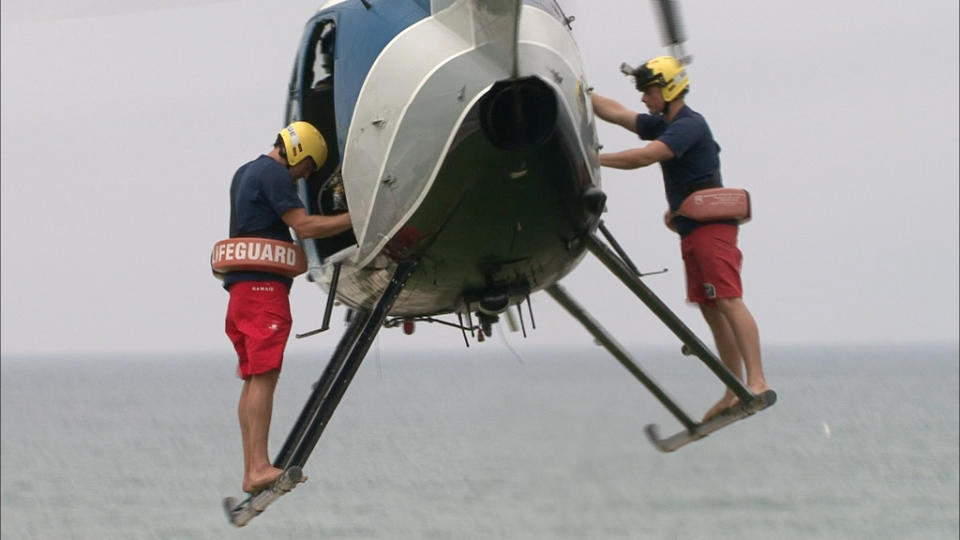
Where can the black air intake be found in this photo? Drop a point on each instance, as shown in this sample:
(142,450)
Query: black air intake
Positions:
(518,114)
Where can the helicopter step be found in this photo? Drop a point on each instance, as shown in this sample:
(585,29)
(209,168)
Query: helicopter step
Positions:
(737,412)
(621,267)
(326,395)
(240,513)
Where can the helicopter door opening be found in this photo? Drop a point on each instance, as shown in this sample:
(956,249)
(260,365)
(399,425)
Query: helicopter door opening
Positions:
(325,186)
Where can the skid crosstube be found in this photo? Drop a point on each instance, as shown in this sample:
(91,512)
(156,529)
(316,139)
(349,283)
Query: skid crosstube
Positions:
(321,389)
(606,340)
(621,267)
(323,401)
(348,356)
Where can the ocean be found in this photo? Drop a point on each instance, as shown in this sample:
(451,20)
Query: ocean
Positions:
(483,443)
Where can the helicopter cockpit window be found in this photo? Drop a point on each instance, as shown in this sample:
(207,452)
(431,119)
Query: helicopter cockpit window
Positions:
(323,58)
(318,96)
(325,186)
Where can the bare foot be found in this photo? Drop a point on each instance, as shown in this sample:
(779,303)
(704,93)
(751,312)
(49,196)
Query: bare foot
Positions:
(259,480)
(730,400)
(722,405)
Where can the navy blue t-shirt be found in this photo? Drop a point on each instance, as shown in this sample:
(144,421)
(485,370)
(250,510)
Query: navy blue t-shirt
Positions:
(261,191)
(696,162)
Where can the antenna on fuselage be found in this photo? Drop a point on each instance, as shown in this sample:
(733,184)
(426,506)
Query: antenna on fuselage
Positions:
(671,29)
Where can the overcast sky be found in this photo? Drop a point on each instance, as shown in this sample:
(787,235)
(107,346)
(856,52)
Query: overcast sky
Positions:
(121,131)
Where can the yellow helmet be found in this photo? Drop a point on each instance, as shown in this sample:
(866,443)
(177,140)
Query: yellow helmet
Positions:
(664,71)
(300,140)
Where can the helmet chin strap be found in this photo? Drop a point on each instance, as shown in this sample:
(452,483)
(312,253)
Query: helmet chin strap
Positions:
(666,109)
(283,154)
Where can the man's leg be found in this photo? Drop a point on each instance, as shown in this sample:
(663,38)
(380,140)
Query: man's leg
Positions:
(254,411)
(729,351)
(744,329)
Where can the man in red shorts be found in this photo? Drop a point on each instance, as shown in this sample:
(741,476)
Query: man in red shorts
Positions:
(689,158)
(264,203)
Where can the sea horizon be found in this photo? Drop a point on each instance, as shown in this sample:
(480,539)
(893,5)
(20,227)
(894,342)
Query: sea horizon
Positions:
(536,443)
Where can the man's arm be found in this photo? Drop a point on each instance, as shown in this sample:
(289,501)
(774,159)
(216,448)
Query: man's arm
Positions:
(308,226)
(654,152)
(613,112)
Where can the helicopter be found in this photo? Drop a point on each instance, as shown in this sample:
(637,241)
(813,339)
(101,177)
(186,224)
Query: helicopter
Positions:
(461,138)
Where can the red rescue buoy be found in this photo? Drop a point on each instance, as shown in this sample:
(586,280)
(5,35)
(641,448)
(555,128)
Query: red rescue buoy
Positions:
(257,255)
(713,204)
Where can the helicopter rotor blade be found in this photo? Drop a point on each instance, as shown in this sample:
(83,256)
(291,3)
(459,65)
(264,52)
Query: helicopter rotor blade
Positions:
(671,28)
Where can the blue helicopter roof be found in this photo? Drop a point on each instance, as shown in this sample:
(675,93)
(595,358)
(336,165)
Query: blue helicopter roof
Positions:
(361,35)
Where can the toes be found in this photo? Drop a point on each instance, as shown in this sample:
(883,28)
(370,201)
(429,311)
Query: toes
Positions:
(720,407)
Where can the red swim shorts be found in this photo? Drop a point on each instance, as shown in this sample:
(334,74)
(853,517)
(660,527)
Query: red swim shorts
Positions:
(713,262)
(258,324)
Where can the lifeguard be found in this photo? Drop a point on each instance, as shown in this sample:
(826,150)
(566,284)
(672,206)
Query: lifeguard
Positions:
(689,157)
(257,265)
